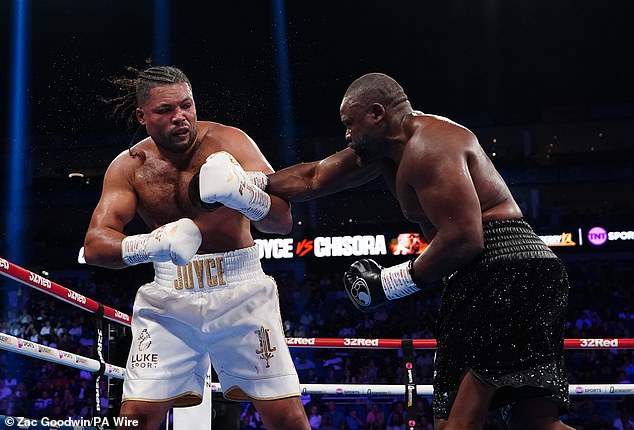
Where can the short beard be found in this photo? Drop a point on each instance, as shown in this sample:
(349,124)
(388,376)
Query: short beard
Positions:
(180,149)
(363,158)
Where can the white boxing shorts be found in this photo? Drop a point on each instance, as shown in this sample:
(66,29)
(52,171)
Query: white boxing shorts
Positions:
(219,307)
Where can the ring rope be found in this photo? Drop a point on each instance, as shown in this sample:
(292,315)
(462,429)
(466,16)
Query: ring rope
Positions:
(31,279)
(374,343)
(54,355)
(41,283)
(32,349)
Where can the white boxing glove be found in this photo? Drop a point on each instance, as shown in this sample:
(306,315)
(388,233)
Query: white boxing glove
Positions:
(223,180)
(177,241)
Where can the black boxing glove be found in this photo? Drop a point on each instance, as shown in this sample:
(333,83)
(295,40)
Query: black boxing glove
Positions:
(194,196)
(369,285)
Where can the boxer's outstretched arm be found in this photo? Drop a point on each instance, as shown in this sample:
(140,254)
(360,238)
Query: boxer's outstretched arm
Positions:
(307,181)
(278,220)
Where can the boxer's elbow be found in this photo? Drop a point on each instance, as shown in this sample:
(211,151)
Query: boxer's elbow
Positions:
(98,252)
(90,249)
(462,248)
(286,227)
(285,219)
(286,223)
(273,227)
(276,222)
(468,249)
(298,183)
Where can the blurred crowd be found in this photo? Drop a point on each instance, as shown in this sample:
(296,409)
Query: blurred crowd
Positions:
(600,306)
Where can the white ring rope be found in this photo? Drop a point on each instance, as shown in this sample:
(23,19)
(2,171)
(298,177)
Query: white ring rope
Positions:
(32,349)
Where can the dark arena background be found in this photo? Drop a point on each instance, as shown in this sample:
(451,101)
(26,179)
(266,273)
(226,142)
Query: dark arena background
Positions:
(547,86)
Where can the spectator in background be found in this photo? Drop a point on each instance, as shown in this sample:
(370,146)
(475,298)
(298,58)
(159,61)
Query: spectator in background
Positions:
(43,404)
(397,409)
(353,422)
(303,364)
(10,380)
(76,331)
(5,390)
(46,329)
(333,415)
(245,423)
(395,422)
(314,417)
(34,336)
(375,418)
(253,418)
(327,424)
(623,423)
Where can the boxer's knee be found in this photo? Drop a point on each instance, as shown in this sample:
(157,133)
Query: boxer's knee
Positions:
(283,414)
(539,413)
(143,415)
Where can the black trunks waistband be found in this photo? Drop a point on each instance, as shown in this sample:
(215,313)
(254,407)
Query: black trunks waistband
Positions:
(512,239)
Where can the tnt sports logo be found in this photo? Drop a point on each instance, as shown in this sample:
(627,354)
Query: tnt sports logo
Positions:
(360,292)
(597,236)
(588,390)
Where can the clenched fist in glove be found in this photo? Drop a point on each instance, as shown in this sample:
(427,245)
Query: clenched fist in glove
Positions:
(223,180)
(369,285)
(177,241)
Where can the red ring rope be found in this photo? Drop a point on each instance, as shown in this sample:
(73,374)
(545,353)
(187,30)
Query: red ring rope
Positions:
(38,282)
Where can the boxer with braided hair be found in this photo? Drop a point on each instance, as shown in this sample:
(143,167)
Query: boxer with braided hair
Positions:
(210,299)
(502,316)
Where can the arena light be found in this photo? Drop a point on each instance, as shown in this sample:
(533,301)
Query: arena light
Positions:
(16,159)
(162,53)
(284,104)
(16,151)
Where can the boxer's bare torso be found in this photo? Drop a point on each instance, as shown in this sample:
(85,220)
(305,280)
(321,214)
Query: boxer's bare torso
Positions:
(161,181)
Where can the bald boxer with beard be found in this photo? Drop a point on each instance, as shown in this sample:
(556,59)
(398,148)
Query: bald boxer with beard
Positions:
(501,323)
(210,298)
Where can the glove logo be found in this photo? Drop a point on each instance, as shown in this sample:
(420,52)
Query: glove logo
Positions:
(360,292)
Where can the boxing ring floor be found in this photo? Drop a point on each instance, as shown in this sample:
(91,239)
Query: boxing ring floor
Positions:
(98,366)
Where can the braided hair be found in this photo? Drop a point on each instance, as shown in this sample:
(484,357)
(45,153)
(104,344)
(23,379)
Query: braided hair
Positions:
(134,91)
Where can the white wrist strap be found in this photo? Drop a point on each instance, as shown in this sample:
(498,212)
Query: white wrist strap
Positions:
(259,204)
(258,179)
(133,249)
(397,281)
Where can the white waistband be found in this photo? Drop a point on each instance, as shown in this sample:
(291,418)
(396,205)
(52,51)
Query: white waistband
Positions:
(206,271)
